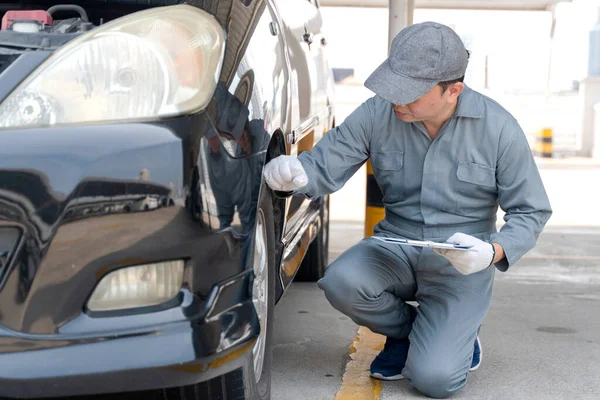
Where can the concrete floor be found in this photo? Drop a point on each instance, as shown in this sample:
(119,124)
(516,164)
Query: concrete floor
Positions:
(541,338)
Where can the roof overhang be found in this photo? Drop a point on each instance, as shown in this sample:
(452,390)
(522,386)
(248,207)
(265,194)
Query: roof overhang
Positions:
(522,5)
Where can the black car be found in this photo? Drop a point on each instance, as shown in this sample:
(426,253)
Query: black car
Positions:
(141,253)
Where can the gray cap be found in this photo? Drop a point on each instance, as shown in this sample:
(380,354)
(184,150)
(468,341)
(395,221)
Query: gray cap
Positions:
(421,56)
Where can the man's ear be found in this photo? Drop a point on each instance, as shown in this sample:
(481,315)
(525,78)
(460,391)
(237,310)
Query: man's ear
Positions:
(454,91)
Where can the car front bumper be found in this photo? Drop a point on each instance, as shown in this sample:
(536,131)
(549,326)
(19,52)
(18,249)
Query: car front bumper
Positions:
(132,359)
(91,199)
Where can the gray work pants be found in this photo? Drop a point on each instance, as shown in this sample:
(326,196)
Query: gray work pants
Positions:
(371,282)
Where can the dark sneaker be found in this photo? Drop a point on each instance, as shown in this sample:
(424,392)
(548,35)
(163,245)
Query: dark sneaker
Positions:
(477,355)
(390,361)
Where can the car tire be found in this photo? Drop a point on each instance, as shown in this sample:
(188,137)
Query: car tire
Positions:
(261,388)
(242,383)
(316,260)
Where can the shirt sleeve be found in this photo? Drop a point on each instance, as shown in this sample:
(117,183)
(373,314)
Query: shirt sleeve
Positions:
(521,195)
(339,154)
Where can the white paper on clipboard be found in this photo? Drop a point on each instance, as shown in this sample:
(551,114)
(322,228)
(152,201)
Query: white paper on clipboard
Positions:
(424,243)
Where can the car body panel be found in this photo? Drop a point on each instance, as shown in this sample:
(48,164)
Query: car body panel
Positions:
(89,199)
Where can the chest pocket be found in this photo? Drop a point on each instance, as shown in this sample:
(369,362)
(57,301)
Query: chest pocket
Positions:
(388,160)
(389,173)
(475,187)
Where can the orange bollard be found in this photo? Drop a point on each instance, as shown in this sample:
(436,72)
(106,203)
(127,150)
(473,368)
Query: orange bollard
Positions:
(374,211)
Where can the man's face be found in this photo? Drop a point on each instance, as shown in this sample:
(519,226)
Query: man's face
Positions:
(243,141)
(426,108)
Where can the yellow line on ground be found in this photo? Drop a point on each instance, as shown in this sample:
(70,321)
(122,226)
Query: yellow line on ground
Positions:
(356,382)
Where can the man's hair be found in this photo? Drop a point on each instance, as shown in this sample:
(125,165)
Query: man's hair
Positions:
(445,85)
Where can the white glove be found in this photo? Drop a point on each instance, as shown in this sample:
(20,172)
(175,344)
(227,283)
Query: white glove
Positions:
(477,258)
(285,173)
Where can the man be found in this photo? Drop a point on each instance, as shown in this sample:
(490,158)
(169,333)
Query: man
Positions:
(444,157)
(243,138)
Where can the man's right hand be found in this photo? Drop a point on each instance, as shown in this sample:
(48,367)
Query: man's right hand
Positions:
(285,173)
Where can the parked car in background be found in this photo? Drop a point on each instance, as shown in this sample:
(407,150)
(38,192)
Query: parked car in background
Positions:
(141,253)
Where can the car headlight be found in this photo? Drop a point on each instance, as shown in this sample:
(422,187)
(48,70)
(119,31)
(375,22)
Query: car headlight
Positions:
(156,63)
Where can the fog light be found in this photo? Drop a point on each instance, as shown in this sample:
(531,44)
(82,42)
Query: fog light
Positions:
(138,286)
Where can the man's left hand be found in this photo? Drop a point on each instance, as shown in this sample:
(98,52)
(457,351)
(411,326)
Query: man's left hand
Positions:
(477,258)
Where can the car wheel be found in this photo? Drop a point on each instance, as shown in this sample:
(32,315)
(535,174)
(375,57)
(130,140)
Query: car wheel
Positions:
(315,262)
(263,296)
(253,382)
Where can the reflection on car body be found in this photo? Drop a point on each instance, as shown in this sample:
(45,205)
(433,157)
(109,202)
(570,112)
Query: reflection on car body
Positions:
(150,244)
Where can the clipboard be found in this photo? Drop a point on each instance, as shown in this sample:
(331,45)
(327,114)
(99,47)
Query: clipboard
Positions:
(424,243)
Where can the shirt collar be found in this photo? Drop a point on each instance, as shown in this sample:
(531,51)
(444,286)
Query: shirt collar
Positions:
(468,105)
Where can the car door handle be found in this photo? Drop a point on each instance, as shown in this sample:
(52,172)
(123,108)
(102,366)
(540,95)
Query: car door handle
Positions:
(302,130)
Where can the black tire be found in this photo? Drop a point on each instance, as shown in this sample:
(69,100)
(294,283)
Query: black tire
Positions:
(261,390)
(316,260)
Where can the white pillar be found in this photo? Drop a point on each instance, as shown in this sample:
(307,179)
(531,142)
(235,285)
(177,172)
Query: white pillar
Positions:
(595,153)
(401,16)
(589,94)
(552,10)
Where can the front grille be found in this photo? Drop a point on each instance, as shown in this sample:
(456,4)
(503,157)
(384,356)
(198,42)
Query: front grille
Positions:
(9,239)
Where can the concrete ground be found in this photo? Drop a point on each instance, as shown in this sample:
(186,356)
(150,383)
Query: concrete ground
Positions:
(541,338)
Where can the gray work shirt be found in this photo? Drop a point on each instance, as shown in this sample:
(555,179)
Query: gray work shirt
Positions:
(479,160)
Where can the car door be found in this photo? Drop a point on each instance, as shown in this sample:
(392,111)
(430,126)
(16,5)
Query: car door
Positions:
(324,81)
(310,117)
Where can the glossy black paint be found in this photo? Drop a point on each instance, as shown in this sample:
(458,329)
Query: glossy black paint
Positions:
(92,199)
(77,229)
(19,69)
(178,353)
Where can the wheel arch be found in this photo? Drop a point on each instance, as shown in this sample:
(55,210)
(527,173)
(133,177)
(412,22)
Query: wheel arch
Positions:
(277,147)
